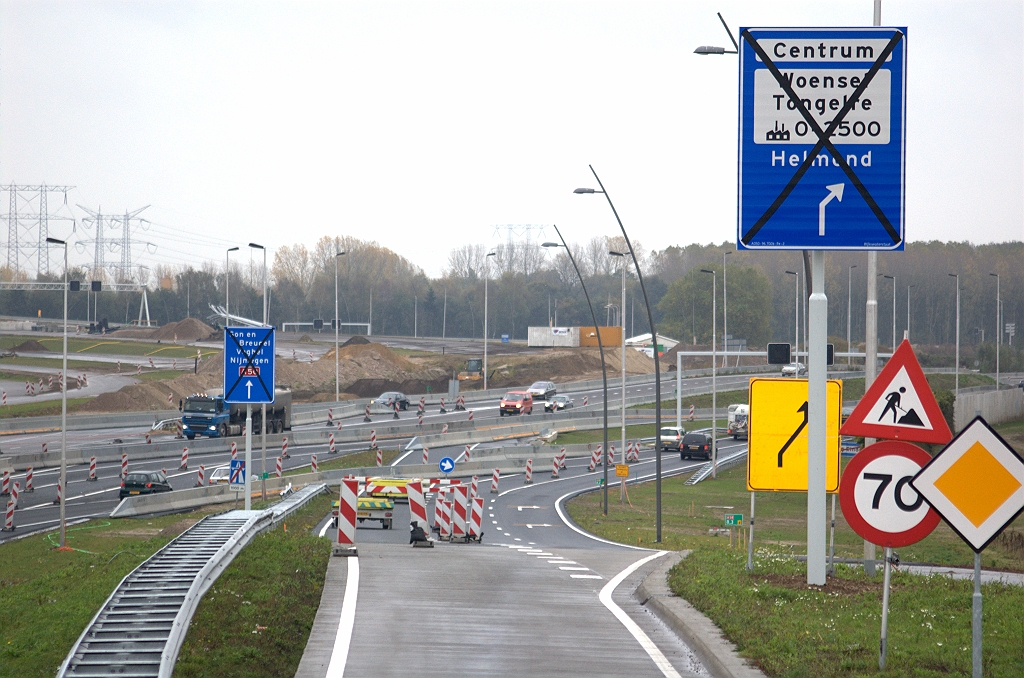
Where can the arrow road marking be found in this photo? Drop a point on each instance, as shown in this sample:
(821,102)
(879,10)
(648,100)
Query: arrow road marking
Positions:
(803,408)
(834,191)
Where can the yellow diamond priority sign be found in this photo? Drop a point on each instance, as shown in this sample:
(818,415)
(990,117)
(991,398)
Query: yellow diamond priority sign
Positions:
(976,483)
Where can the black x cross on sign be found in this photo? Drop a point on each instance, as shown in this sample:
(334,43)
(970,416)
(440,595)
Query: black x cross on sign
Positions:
(824,137)
(249,370)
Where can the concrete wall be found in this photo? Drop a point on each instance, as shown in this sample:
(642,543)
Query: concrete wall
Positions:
(996,407)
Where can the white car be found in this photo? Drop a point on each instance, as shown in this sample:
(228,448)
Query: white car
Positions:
(220,475)
(794,370)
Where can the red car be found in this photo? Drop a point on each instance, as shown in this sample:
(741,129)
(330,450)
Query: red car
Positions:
(516,402)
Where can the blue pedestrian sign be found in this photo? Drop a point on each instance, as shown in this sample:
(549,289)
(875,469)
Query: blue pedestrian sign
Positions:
(822,138)
(236,478)
(249,364)
(447,465)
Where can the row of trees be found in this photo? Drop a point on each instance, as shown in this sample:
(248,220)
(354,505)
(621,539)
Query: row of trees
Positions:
(530,285)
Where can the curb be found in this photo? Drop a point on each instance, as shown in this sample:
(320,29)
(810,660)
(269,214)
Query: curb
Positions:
(716,652)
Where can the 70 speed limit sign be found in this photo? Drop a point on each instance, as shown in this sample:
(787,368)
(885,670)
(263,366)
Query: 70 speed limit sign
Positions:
(878,500)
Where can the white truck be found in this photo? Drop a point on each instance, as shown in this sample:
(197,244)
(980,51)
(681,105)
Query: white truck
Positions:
(739,416)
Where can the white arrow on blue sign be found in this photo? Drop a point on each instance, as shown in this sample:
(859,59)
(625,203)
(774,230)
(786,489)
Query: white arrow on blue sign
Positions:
(249,364)
(822,138)
(447,465)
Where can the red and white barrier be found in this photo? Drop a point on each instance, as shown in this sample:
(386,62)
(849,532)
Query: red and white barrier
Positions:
(85,380)
(380,457)
(184,459)
(366,416)
(471,415)
(284,449)
(234,451)
(178,434)
(438,510)
(476,517)
(174,364)
(467,453)
(139,369)
(40,384)
(313,466)
(373,439)
(200,479)
(494,481)
(554,467)
(278,467)
(49,383)
(446,519)
(151,364)
(691,412)
(28,480)
(423,404)
(444,429)
(118,366)
(15,491)
(396,411)
(586,401)
(45,448)
(426,455)
(459,512)
(9,517)
(330,444)
(149,441)
(5,484)
(417,507)
(347,511)
(529,471)
(170,398)
(60,492)
(474,487)
(5,398)
(595,458)
(419,419)
(330,416)
(561,459)
(611,455)
(443,411)
(124,465)
(92,468)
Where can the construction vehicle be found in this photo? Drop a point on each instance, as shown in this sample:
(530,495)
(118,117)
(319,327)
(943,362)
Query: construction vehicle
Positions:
(210,416)
(474,370)
(368,508)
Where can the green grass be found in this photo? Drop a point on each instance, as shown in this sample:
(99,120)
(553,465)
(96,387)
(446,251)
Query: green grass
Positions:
(255,620)
(326,462)
(55,364)
(41,408)
(104,346)
(49,596)
(632,431)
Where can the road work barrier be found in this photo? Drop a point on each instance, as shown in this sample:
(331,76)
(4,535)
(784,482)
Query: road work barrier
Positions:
(347,512)
(92,468)
(15,489)
(438,511)
(149,440)
(366,416)
(476,516)
(417,507)
(419,419)
(446,519)
(234,451)
(380,457)
(529,471)
(561,458)
(184,459)
(313,465)
(284,449)
(330,444)
(9,516)
(442,410)
(277,469)
(471,415)
(28,480)
(554,467)
(124,465)
(330,416)
(60,492)
(494,481)
(426,456)
(373,439)
(5,485)
(200,481)
(595,459)
(474,487)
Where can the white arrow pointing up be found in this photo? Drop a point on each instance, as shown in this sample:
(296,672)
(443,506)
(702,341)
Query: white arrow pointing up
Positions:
(834,191)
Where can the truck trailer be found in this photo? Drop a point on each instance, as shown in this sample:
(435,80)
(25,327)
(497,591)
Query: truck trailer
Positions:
(212,417)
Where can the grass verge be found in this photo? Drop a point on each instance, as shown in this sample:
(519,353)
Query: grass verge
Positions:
(49,596)
(255,620)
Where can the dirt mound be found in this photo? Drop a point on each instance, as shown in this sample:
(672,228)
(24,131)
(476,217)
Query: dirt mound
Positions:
(305,339)
(30,345)
(188,329)
(153,396)
(355,341)
(361,361)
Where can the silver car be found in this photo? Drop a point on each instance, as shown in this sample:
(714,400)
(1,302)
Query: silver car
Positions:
(542,390)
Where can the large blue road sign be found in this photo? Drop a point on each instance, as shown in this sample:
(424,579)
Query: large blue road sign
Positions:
(249,364)
(822,138)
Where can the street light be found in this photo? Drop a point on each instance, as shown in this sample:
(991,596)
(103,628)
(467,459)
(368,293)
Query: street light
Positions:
(714,385)
(956,379)
(849,316)
(337,325)
(893,279)
(63,402)
(227,285)
(657,361)
(622,318)
(263,406)
(725,311)
(604,368)
(999,334)
(796,323)
(487,276)
(706,50)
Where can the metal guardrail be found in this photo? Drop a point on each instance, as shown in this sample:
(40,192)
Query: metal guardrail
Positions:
(140,628)
(723,463)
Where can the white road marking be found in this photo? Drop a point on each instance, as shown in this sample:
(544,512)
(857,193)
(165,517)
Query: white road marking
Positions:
(576,569)
(542,555)
(494,522)
(646,643)
(516,538)
(586,576)
(327,525)
(533,525)
(562,562)
(339,655)
(506,534)
(522,507)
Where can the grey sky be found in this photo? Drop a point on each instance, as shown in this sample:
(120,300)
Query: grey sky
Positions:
(420,125)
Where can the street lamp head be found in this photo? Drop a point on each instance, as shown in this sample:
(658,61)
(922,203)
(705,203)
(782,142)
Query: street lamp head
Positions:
(255,246)
(551,244)
(616,254)
(340,254)
(853,266)
(954,275)
(233,249)
(792,273)
(54,241)
(704,270)
(492,254)
(705,50)
(584,190)
(994,275)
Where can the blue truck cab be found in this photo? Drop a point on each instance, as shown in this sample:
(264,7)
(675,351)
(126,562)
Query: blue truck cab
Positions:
(208,415)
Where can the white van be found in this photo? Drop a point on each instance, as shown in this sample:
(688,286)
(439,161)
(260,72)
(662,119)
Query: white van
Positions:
(739,415)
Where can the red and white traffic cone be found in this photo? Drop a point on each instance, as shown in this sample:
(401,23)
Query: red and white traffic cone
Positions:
(691,412)
(330,443)
(278,469)
(366,417)
(396,411)
(554,467)
(5,485)
(28,480)
(60,492)
(426,456)
(467,453)
(313,466)
(494,481)
(529,471)
(561,459)
(92,468)
(234,451)
(9,517)
(284,449)
(124,465)
(471,415)
(184,459)
(149,441)
(347,511)
(380,457)
(444,429)
(330,416)
(419,419)
(199,475)
(373,439)
(443,411)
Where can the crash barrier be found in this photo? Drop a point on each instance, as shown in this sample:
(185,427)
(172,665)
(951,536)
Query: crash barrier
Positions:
(724,462)
(178,575)
(84,422)
(996,407)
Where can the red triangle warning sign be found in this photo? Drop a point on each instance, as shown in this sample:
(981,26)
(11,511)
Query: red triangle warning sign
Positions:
(899,405)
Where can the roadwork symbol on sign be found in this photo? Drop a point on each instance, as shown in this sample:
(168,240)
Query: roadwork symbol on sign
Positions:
(777,457)
(976,483)
(877,499)
(822,138)
(899,405)
(447,465)
(249,364)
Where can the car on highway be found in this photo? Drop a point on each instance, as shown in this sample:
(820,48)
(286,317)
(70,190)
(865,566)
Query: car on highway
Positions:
(559,402)
(389,398)
(794,370)
(542,390)
(671,437)
(144,482)
(695,445)
(221,475)
(516,402)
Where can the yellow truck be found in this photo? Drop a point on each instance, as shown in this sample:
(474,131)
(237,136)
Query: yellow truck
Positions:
(368,508)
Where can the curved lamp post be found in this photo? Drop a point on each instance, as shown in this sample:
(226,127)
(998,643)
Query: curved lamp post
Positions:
(657,363)
(604,369)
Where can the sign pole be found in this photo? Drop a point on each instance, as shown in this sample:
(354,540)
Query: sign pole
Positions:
(248,456)
(832,541)
(884,644)
(976,620)
(817,422)
(750,541)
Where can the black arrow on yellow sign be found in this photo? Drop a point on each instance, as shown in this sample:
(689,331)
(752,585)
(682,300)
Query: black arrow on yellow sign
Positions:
(803,408)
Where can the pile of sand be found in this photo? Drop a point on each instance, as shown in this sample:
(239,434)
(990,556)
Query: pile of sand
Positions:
(355,341)
(185,331)
(355,363)
(29,346)
(153,395)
